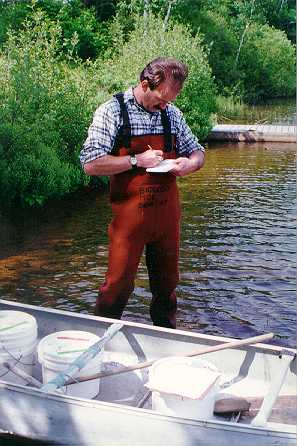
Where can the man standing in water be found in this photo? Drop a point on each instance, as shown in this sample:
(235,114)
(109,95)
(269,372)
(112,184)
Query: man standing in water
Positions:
(131,132)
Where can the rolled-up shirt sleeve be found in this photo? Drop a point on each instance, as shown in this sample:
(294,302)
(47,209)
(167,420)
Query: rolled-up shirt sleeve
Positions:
(186,141)
(102,133)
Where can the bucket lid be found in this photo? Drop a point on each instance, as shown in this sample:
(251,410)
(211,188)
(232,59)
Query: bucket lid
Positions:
(183,376)
(65,346)
(17,325)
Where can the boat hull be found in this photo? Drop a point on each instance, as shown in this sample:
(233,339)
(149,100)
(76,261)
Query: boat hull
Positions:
(73,421)
(66,420)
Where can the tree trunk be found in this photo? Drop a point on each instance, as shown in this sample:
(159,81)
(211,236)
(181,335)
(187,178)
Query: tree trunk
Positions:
(244,33)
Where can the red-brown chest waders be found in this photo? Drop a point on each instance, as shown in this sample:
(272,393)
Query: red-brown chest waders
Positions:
(146,213)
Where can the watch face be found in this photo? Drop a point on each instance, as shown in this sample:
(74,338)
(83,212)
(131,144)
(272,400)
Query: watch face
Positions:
(133,160)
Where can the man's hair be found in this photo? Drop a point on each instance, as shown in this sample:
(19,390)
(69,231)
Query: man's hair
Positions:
(161,69)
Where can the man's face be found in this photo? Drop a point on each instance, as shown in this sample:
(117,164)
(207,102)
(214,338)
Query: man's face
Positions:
(157,99)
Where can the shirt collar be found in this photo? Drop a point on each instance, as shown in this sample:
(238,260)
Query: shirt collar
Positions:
(129,96)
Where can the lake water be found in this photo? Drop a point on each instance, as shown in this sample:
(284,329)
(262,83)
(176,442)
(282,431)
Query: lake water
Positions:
(238,248)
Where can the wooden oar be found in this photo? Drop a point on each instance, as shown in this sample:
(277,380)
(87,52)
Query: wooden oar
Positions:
(143,365)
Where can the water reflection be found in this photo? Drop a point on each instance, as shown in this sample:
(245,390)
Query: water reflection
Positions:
(238,248)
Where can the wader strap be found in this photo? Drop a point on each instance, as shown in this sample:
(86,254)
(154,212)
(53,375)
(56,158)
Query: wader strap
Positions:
(125,132)
(167,131)
(124,136)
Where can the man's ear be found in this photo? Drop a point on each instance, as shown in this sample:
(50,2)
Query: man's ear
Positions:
(144,85)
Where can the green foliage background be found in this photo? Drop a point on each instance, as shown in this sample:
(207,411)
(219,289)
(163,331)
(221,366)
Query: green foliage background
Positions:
(197,100)
(60,60)
(45,108)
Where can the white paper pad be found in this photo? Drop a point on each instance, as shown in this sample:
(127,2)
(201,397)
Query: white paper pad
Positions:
(164,166)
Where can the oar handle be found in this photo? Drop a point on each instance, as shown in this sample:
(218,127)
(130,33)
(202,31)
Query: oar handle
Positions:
(233,344)
(143,365)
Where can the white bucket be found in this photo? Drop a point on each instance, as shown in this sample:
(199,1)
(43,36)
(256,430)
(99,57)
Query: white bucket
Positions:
(58,350)
(18,338)
(184,387)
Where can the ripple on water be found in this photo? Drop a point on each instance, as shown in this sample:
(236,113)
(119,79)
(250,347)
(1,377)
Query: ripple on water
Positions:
(237,257)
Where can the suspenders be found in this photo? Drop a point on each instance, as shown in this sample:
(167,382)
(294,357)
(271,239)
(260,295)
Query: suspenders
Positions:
(125,131)
(167,131)
(124,136)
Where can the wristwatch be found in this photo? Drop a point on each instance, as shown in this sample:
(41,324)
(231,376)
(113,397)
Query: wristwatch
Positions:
(133,161)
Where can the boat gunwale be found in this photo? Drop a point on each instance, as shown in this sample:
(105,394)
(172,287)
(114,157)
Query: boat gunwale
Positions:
(273,349)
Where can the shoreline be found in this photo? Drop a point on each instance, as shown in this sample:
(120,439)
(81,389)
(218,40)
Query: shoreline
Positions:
(253,133)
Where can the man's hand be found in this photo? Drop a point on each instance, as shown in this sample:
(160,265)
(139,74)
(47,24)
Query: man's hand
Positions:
(149,158)
(184,166)
(111,165)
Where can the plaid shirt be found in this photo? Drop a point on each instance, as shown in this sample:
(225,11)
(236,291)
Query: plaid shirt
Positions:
(107,122)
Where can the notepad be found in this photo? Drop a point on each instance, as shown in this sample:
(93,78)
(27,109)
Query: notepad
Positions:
(163,166)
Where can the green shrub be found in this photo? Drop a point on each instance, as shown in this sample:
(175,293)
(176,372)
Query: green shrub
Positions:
(149,40)
(46,106)
(223,43)
(266,55)
(12,16)
(267,63)
(74,16)
(93,36)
